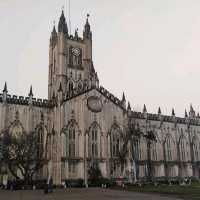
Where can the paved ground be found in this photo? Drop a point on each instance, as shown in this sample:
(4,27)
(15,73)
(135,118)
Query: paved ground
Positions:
(83,194)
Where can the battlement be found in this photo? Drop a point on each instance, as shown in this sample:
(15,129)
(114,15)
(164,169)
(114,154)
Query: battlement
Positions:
(166,118)
(110,96)
(22,100)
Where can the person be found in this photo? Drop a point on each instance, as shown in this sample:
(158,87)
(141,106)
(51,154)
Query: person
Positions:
(50,190)
(46,188)
(11,186)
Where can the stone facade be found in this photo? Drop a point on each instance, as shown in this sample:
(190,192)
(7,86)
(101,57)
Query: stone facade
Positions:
(83,124)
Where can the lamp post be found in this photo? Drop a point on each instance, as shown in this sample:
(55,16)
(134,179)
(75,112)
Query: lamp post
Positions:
(85,162)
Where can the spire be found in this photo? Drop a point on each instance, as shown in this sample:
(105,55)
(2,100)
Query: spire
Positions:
(76,34)
(159,111)
(54,35)
(192,112)
(129,106)
(5,88)
(87,34)
(62,25)
(54,32)
(144,109)
(191,108)
(186,115)
(31,91)
(123,97)
(173,112)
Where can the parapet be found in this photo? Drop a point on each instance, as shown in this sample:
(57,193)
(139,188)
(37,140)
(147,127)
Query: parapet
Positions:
(165,118)
(21,100)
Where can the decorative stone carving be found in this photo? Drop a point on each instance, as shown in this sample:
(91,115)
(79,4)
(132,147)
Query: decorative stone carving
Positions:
(94,104)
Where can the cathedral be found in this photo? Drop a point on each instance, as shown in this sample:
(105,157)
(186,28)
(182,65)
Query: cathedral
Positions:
(82,124)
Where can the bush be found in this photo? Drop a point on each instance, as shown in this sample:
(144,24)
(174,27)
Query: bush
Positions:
(74,183)
(101,181)
(39,184)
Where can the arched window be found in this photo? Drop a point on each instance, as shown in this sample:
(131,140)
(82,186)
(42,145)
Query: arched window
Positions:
(154,151)
(137,150)
(40,142)
(195,149)
(115,142)
(94,140)
(168,148)
(80,86)
(71,141)
(182,148)
(70,86)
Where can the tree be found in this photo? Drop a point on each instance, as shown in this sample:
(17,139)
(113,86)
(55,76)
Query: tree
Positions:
(150,137)
(24,153)
(132,133)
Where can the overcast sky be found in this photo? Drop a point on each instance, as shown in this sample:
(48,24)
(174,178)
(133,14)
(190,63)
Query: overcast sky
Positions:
(147,48)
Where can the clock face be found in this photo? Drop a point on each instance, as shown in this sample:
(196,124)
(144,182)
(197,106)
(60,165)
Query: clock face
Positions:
(76,51)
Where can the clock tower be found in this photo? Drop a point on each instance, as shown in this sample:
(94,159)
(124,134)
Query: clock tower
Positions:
(70,60)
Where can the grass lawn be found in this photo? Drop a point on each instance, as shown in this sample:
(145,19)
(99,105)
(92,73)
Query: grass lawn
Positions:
(191,192)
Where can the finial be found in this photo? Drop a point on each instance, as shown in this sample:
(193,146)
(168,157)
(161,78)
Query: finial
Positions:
(76,34)
(129,106)
(31,91)
(186,115)
(144,109)
(159,111)
(63,7)
(62,25)
(88,15)
(191,108)
(123,97)
(173,112)
(5,88)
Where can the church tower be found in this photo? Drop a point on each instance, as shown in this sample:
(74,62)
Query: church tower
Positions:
(70,60)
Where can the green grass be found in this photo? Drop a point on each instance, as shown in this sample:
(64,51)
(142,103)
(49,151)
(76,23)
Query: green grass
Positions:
(191,192)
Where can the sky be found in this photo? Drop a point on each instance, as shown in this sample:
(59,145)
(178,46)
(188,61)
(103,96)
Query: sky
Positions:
(147,48)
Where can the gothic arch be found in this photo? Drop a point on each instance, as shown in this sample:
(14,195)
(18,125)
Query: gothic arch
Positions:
(115,136)
(70,139)
(169,148)
(116,126)
(70,85)
(79,86)
(94,140)
(195,148)
(41,131)
(156,149)
(183,146)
